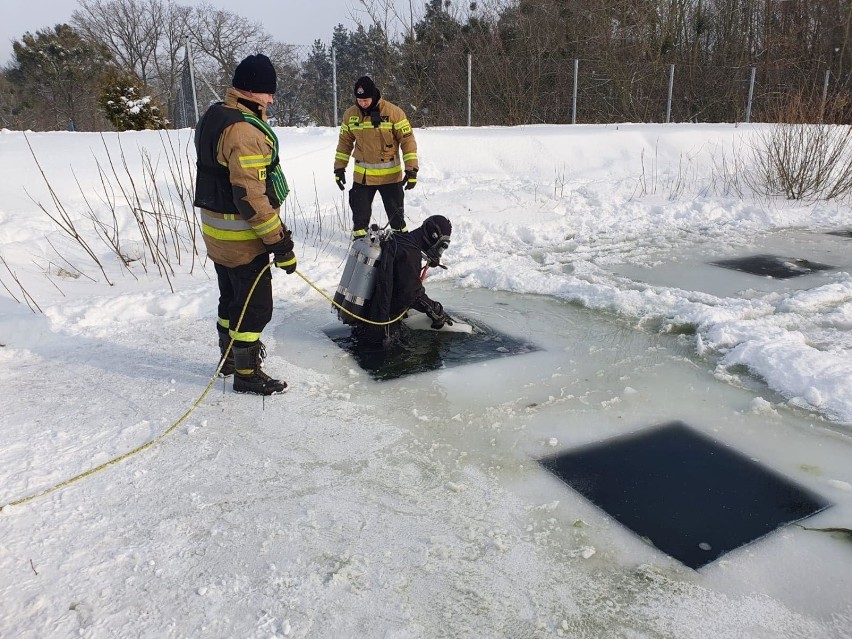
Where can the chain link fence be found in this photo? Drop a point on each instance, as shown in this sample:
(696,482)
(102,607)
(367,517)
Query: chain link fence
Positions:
(486,90)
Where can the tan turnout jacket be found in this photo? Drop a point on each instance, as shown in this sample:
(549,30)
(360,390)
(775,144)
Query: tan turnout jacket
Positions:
(376,149)
(234,240)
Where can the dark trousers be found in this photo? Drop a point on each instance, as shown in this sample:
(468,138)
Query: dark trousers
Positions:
(361,202)
(234,286)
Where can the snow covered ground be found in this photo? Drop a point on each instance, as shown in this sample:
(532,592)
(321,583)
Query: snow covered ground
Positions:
(415,508)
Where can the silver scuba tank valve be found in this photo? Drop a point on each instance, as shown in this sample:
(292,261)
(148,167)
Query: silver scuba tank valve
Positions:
(377,234)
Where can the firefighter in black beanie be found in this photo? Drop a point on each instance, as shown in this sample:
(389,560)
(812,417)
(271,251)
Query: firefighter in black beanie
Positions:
(373,131)
(240,189)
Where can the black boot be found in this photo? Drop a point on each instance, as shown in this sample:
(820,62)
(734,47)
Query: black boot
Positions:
(228,367)
(249,378)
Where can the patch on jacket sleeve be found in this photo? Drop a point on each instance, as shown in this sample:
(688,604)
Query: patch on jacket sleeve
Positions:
(261,174)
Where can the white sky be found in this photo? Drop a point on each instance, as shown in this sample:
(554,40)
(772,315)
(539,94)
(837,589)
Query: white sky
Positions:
(415,508)
(288,21)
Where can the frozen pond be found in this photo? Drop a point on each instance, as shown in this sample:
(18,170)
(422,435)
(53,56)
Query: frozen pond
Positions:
(594,378)
(695,271)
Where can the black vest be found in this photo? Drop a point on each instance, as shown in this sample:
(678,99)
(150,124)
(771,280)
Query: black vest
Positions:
(213,184)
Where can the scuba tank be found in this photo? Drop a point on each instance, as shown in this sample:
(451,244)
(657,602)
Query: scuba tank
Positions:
(340,293)
(359,276)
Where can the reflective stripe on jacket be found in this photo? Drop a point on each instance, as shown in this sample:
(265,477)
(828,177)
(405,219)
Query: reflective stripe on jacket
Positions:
(376,148)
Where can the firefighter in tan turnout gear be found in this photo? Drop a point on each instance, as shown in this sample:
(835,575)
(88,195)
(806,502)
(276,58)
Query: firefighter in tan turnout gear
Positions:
(373,131)
(240,188)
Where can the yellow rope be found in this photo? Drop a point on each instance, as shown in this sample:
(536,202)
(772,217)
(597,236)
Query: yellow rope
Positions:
(159,437)
(348,312)
(195,404)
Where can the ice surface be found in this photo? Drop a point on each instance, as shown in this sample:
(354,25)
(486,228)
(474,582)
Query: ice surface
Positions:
(682,492)
(597,377)
(773,266)
(694,270)
(842,233)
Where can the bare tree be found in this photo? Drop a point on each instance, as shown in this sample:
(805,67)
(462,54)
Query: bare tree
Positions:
(168,63)
(131,30)
(386,15)
(522,52)
(226,38)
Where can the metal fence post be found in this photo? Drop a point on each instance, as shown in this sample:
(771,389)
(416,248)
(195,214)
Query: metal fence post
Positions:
(824,94)
(334,83)
(192,80)
(669,101)
(574,96)
(750,95)
(469,87)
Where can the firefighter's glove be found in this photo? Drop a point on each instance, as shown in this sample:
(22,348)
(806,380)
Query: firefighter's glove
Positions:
(340,178)
(410,180)
(286,261)
(436,313)
(282,254)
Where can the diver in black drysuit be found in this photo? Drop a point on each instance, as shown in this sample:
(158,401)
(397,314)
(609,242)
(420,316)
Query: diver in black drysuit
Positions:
(398,285)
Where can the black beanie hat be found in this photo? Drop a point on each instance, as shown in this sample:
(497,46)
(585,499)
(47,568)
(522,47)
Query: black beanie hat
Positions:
(365,88)
(255,74)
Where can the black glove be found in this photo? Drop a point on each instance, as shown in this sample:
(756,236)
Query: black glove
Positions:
(340,178)
(287,261)
(410,179)
(283,255)
(436,313)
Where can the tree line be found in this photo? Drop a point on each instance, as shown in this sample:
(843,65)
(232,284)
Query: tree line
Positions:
(121,63)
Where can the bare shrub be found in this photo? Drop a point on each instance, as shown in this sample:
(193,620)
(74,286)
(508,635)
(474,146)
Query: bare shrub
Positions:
(802,161)
(29,300)
(727,174)
(61,217)
(159,198)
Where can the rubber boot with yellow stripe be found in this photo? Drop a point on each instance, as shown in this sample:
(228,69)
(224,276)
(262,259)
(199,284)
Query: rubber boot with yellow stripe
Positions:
(249,378)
